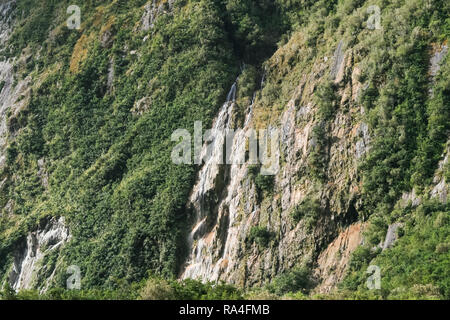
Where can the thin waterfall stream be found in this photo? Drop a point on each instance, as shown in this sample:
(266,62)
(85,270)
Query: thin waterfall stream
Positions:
(203,250)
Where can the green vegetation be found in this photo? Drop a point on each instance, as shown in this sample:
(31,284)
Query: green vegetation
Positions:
(264,183)
(188,290)
(110,172)
(261,236)
(318,157)
(409,137)
(293,281)
(109,168)
(154,288)
(417,266)
(308,211)
(326,100)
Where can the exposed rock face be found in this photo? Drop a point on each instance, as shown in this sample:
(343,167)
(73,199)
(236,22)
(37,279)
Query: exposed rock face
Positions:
(12,100)
(362,145)
(110,82)
(106,38)
(391,235)
(51,236)
(333,261)
(42,172)
(230,205)
(212,219)
(226,203)
(441,186)
(5,19)
(338,63)
(9,207)
(411,197)
(152,11)
(6,76)
(141,106)
(13,96)
(440,52)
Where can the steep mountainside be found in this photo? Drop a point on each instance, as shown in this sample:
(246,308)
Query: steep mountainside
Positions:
(359,92)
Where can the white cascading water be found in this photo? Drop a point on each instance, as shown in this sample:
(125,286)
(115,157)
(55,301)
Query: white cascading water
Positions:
(205,262)
(210,168)
(208,173)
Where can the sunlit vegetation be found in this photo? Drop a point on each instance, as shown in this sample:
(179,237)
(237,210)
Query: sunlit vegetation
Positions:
(110,171)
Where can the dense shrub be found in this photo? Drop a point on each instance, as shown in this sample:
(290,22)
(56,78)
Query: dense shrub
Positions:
(416,266)
(154,288)
(309,209)
(318,156)
(110,172)
(264,183)
(296,280)
(325,97)
(261,236)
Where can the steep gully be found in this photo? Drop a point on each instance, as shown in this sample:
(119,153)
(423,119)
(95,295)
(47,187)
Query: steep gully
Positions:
(213,198)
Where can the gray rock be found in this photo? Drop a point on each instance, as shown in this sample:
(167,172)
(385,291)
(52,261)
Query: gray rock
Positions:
(362,145)
(436,59)
(391,235)
(152,11)
(338,59)
(5,20)
(141,106)
(51,236)
(42,173)
(435,63)
(110,75)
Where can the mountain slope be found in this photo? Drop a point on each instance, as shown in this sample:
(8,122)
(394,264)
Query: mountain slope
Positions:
(86,176)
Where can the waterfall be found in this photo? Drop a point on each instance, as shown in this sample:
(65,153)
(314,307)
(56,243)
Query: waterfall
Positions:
(210,168)
(263,78)
(231,97)
(250,110)
(206,260)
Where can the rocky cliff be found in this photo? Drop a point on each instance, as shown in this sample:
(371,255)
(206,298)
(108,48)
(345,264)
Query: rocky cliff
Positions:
(226,202)
(86,118)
